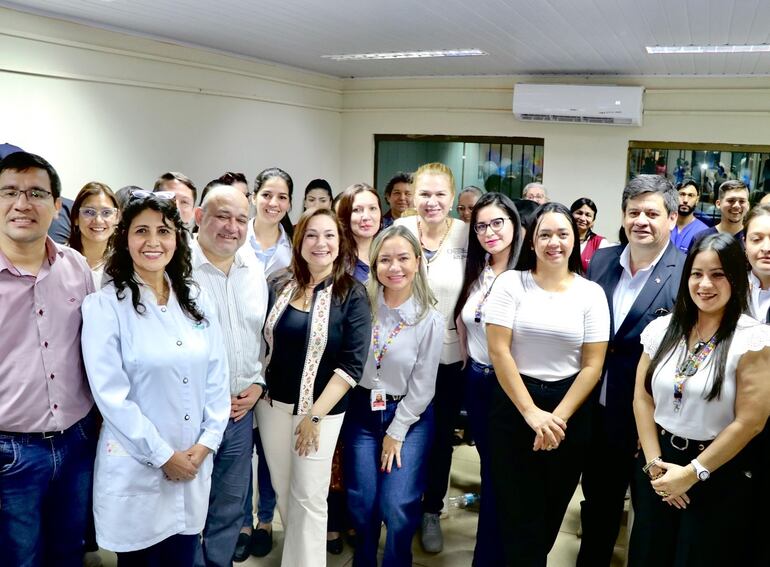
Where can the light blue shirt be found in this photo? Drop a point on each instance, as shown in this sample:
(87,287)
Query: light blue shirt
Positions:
(276,257)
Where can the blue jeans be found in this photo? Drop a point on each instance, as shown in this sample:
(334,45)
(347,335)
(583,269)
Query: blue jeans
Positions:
(374,496)
(229,486)
(480,379)
(44,495)
(266,500)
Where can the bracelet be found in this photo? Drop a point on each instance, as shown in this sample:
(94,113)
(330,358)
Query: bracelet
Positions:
(646,468)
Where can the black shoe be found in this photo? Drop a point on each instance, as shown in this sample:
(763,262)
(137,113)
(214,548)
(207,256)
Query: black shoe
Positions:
(334,546)
(261,542)
(242,548)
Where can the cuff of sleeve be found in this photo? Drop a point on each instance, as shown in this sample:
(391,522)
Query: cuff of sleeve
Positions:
(346,377)
(160,457)
(210,440)
(397,430)
(259,381)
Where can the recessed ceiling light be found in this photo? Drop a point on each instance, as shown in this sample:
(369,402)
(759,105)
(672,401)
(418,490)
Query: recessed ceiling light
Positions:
(702,49)
(406,55)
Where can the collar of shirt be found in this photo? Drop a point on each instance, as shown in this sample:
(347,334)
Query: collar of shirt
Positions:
(625,262)
(52,251)
(407,311)
(199,257)
(283,240)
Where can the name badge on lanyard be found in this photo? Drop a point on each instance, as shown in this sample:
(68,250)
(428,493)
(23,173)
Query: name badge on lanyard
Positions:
(378,397)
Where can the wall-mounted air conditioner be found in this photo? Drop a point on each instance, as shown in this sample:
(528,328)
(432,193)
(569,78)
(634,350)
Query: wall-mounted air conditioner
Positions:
(579,104)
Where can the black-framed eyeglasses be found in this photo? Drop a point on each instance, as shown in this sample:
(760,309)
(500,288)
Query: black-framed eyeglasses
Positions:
(32,195)
(495,224)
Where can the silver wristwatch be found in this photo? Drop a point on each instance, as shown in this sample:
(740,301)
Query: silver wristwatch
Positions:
(701,471)
(317,419)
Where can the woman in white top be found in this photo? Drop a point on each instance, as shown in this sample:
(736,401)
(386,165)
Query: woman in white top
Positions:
(493,247)
(94,216)
(157,368)
(389,423)
(547,331)
(701,395)
(270,232)
(444,242)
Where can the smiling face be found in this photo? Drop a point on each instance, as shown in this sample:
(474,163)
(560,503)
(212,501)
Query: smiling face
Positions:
(465,204)
(553,240)
(151,243)
(24,221)
(584,218)
(491,240)
(397,264)
(272,201)
(318,199)
(734,205)
(433,196)
(758,247)
(401,198)
(646,222)
(365,215)
(223,224)
(97,218)
(320,244)
(709,287)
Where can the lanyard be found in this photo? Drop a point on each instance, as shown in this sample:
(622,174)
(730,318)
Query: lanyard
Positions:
(689,367)
(487,280)
(379,351)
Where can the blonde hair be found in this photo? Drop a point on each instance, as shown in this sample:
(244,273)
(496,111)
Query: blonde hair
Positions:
(435,168)
(420,288)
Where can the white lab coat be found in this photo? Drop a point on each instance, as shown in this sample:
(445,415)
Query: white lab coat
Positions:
(161,383)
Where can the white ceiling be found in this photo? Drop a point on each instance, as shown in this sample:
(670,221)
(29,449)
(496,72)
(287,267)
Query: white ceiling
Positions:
(521,36)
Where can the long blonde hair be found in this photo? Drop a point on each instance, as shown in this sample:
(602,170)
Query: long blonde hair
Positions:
(420,289)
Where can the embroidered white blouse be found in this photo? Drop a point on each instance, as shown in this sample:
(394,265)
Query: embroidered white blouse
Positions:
(699,419)
(410,363)
(160,381)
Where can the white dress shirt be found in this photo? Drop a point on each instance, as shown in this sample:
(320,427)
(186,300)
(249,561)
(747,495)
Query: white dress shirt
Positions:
(630,286)
(241,300)
(160,382)
(759,300)
(476,331)
(275,258)
(410,363)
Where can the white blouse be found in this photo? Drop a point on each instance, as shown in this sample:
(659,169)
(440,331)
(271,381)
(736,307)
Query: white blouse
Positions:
(410,363)
(697,418)
(160,381)
(476,331)
(549,328)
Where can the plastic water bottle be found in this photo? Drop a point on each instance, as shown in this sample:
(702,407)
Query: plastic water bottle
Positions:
(464,500)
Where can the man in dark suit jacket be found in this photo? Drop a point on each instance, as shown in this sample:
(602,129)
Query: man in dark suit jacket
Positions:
(641,281)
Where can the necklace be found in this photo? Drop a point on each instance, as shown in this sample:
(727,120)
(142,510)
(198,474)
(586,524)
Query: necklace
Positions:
(307,296)
(448,224)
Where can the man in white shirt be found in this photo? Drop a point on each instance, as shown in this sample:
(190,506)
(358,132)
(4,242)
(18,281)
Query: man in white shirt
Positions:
(236,283)
(641,281)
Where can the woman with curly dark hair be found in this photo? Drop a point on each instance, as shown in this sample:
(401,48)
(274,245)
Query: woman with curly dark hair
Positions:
(158,372)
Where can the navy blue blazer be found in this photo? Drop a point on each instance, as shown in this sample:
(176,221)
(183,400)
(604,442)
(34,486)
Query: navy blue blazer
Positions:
(657,298)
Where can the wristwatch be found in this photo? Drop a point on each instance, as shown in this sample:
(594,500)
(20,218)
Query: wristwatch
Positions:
(317,419)
(702,472)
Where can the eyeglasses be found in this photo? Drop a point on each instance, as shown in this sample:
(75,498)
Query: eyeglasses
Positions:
(105,214)
(141,194)
(495,224)
(32,195)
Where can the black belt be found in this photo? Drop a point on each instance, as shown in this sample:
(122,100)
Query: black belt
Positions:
(682,443)
(34,435)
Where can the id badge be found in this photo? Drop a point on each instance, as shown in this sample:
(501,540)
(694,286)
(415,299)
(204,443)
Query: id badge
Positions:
(377,399)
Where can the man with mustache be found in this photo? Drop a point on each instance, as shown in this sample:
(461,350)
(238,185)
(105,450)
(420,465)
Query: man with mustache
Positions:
(687,225)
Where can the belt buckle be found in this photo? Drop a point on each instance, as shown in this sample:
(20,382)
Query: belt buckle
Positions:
(675,446)
(48,434)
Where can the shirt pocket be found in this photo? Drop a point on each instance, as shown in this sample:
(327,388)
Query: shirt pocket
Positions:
(119,474)
(9,454)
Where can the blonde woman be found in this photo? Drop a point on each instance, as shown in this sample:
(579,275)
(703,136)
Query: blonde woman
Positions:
(444,242)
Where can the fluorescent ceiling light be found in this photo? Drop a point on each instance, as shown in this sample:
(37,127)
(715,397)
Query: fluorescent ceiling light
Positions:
(699,49)
(406,55)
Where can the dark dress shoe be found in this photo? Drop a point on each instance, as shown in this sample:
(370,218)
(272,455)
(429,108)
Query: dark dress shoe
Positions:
(242,548)
(334,546)
(261,542)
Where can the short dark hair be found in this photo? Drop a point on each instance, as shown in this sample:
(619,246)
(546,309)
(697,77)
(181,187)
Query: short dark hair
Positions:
(731,185)
(228,178)
(686,182)
(319,184)
(648,183)
(176,176)
(23,161)
(400,177)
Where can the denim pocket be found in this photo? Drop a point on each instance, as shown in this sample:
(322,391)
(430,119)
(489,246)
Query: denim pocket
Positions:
(9,454)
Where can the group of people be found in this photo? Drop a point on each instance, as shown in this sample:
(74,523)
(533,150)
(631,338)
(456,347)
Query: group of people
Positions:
(343,350)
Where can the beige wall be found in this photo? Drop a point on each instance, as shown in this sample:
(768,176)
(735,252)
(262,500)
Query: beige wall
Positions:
(121,109)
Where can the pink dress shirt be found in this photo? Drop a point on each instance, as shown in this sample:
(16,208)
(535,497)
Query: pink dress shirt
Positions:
(43,384)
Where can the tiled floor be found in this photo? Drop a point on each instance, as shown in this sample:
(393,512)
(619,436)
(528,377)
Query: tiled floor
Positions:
(459,529)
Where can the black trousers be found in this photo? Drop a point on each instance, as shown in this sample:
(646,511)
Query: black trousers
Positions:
(450,386)
(533,488)
(713,531)
(606,478)
(175,551)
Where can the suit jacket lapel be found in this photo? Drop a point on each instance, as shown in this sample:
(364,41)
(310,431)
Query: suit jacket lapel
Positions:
(609,281)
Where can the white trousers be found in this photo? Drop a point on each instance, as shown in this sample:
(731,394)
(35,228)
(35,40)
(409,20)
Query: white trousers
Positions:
(301,484)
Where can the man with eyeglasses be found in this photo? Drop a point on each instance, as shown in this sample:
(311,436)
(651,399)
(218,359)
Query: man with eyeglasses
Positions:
(47,426)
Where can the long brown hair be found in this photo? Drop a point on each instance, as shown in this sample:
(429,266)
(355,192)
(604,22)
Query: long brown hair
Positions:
(345,211)
(299,271)
(75,240)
